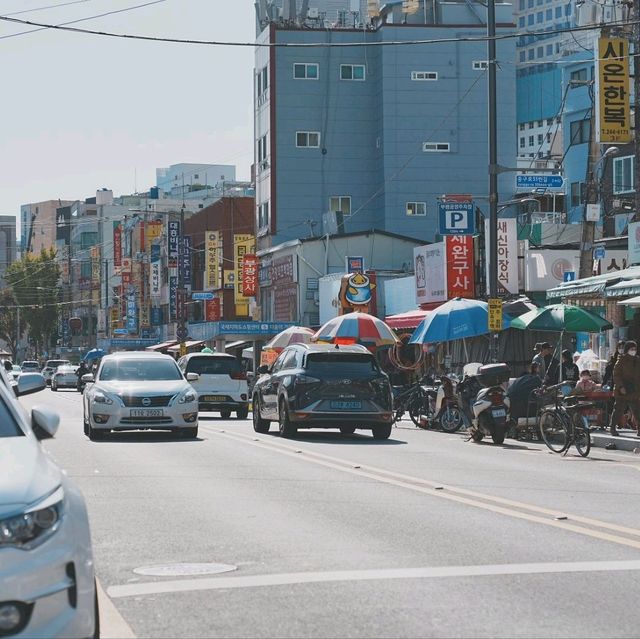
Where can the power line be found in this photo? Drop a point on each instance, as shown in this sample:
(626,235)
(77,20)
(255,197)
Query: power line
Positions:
(303,45)
(51,6)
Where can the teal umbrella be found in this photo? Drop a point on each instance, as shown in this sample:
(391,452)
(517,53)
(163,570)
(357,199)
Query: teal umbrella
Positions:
(562,318)
(206,350)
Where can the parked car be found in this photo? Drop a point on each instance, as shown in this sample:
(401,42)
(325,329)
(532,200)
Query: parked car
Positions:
(323,386)
(47,582)
(50,368)
(30,366)
(139,391)
(16,370)
(64,377)
(222,384)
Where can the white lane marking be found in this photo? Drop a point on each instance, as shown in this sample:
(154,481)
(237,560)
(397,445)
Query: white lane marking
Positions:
(112,624)
(257,581)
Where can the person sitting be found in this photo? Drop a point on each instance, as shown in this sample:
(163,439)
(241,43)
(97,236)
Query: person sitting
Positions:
(586,383)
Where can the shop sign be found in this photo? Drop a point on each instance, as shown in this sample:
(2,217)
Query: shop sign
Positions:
(213,246)
(173,297)
(282,270)
(242,245)
(126,272)
(212,310)
(634,243)
(117,245)
(285,303)
(185,260)
(460,267)
(250,275)
(173,235)
(431,273)
(154,231)
(508,283)
(155,272)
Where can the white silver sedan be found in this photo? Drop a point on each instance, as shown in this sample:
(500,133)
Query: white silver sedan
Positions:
(64,377)
(140,391)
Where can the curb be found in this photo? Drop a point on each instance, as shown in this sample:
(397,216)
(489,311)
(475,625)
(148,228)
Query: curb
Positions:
(622,442)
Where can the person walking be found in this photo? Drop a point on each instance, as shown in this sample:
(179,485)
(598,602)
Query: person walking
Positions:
(607,380)
(626,379)
(569,371)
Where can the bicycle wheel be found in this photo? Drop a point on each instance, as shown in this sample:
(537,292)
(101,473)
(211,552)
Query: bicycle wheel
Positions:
(581,435)
(418,408)
(452,419)
(553,430)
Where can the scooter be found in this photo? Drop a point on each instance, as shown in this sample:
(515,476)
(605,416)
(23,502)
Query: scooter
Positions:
(491,407)
(449,411)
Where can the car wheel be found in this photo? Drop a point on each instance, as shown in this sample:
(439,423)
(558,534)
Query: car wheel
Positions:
(225,414)
(242,413)
(189,433)
(347,430)
(287,429)
(86,425)
(96,434)
(259,425)
(96,608)
(381,432)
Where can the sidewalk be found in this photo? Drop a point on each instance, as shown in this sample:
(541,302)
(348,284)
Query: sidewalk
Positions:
(626,440)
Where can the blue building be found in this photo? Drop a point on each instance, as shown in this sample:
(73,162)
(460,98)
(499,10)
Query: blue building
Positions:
(376,134)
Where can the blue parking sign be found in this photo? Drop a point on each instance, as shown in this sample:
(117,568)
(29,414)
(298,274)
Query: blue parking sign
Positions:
(457,218)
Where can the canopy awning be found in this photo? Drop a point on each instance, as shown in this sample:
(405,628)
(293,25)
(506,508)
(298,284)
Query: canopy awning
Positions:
(176,347)
(236,344)
(595,285)
(623,288)
(633,302)
(410,319)
(160,347)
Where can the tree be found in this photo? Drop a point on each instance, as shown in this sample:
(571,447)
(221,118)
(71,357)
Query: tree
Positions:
(34,283)
(9,317)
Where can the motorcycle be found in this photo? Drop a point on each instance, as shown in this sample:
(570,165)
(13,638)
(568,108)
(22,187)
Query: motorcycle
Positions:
(491,406)
(450,414)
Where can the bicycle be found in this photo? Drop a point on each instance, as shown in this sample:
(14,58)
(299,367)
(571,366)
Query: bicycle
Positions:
(415,400)
(564,424)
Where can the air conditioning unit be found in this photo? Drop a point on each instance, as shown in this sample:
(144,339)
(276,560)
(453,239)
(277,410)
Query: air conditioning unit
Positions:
(313,13)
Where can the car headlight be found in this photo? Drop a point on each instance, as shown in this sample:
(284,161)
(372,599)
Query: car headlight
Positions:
(188,396)
(35,525)
(100,398)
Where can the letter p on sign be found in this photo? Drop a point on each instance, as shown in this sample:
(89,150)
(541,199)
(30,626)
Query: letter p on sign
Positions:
(456,218)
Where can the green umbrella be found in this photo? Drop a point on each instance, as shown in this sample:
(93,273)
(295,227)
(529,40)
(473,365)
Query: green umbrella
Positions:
(561,317)
(207,350)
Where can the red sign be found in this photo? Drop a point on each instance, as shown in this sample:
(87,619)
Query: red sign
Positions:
(126,271)
(212,310)
(250,275)
(117,245)
(460,268)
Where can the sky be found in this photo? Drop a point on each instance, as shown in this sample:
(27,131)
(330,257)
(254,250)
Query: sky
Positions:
(82,112)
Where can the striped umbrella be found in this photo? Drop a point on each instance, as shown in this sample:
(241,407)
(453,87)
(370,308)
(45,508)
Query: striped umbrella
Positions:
(291,335)
(356,328)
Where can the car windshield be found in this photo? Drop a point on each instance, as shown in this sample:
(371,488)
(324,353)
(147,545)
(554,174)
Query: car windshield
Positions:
(54,363)
(213,365)
(340,365)
(30,365)
(8,424)
(140,370)
(66,369)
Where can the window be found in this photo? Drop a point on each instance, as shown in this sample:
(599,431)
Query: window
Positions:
(305,71)
(262,151)
(424,75)
(548,14)
(539,16)
(530,54)
(416,208)
(263,215)
(531,140)
(352,72)
(540,138)
(522,56)
(530,4)
(308,139)
(578,76)
(341,366)
(531,19)
(531,125)
(623,181)
(88,239)
(480,65)
(521,127)
(262,81)
(580,131)
(521,5)
(521,21)
(213,365)
(558,12)
(440,147)
(577,193)
(549,137)
(549,121)
(567,9)
(522,143)
(340,204)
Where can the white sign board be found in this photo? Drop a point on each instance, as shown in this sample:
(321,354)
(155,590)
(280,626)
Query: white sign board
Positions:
(431,273)
(634,243)
(329,296)
(507,256)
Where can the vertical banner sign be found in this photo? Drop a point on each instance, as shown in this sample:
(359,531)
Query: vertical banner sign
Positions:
(185,261)
(126,272)
(180,305)
(154,231)
(212,310)
(242,245)
(173,235)
(250,275)
(173,298)
(117,245)
(142,225)
(132,314)
(212,264)
(155,271)
(507,256)
(115,317)
(431,273)
(144,315)
(613,113)
(156,316)
(495,315)
(460,267)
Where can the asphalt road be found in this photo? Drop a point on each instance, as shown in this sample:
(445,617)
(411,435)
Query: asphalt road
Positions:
(424,535)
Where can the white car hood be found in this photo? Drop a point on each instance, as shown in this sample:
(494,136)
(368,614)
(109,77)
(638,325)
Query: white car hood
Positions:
(27,473)
(148,388)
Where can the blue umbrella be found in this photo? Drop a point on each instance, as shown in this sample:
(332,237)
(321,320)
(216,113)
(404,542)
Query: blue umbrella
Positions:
(94,353)
(456,319)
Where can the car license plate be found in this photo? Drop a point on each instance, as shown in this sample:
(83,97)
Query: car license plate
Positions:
(146,412)
(346,405)
(499,412)
(212,398)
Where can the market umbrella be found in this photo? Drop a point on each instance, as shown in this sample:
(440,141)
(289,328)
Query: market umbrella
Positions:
(94,353)
(206,350)
(562,318)
(519,306)
(356,328)
(456,319)
(291,335)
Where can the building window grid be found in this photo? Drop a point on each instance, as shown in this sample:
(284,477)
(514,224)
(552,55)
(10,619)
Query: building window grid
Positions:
(353,72)
(416,209)
(306,71)
(340,204)
(436,147)
(307,139)
(480,65)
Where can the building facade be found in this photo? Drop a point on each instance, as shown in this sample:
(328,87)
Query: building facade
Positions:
(7,244)
(38,225)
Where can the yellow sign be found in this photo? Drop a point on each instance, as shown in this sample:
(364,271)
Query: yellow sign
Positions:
(495,315)
(144,315)
(242,244)
(183,349)
(154,231)
(212,264)
(115,316)
(613,113)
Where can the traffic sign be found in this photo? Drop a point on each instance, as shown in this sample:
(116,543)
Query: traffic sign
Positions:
(457,218)
(182,333)
(495,315)
(599,253)
(206,295)
(532,181)
(569,276)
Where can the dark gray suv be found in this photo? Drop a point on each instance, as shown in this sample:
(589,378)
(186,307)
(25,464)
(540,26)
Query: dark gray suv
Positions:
(323,386)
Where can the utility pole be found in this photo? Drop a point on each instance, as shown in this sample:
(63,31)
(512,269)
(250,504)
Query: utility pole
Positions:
(181,332)
(636,107)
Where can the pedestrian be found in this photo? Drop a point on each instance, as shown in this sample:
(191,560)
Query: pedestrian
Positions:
(569,370)
(547,363)
(626,379)
(586,383)
(607,380)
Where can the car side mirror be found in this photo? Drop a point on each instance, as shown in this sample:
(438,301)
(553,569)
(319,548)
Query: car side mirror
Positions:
(44,422)
(263,370)
(28,383)
(87,378)
(193,377)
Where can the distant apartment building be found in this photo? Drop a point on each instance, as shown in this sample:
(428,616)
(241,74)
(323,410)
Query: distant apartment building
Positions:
(371,137)
(7,244)
(319,13)
(38,225)
(186,178)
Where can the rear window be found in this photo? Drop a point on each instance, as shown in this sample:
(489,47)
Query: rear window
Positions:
(213,365)
(332,365)
(53,363)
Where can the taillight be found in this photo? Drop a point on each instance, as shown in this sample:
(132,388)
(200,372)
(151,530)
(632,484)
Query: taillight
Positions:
(238,375)
(497,399)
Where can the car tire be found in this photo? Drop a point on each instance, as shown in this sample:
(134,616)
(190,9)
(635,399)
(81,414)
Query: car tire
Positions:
(95,434)
(381,432)
(86,425)
(242,413)
(225,414)
(259,425)
(347,430)
(189,433)
(96,608)
(287,429)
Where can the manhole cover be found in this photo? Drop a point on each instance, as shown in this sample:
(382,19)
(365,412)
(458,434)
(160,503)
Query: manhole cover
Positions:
(184,570)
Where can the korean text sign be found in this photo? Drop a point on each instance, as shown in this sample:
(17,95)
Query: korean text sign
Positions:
(173,234)
(250,275)
(213,246)
(507,256)
(460,266)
